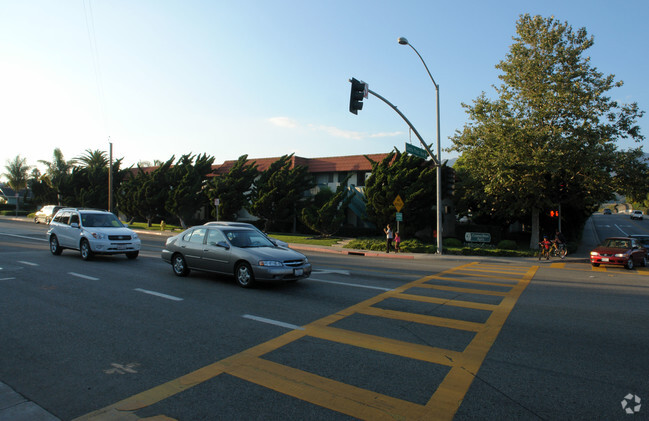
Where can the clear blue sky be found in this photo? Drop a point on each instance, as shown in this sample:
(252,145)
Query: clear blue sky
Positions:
(268,78)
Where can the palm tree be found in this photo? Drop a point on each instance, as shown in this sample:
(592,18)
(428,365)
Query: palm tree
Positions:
(93,159)
(17,175)
(57,170)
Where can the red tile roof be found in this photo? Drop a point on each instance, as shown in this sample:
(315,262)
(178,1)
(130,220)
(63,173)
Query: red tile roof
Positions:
(315,165)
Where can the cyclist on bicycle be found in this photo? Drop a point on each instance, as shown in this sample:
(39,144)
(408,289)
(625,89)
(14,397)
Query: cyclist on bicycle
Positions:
(560,242)
(545,248)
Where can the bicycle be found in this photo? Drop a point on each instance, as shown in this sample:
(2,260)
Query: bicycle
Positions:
(558,250)
(544,252)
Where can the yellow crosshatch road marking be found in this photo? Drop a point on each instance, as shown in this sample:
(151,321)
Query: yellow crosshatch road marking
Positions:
(354,401)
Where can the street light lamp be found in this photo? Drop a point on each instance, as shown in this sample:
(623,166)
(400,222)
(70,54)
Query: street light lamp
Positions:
(404,41)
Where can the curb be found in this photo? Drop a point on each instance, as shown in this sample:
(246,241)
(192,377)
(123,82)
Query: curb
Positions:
(15,407)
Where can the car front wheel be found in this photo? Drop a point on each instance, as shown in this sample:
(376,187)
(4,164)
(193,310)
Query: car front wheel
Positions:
(132,254)
(244,276)
(86,251)
(55,247)
(629,263)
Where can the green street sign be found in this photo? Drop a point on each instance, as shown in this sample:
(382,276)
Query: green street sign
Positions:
(399,217)
(416,151)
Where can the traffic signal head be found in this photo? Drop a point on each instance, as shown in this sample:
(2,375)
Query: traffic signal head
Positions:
(356,96)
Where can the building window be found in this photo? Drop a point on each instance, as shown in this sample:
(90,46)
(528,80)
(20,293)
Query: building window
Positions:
(360,178)
(324,178)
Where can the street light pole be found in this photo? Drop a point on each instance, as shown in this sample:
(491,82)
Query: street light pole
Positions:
(404,41)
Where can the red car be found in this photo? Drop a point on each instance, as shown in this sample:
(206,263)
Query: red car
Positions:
(622,251)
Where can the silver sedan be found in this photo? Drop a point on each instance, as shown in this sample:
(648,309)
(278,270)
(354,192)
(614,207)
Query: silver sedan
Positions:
(242,252)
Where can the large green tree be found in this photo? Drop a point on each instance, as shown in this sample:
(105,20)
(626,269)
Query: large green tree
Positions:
(327,212)
(154,190)
(233,189)
(17,174)
(406,176)
(278,193)
(549,138)
(56,173)
(188,178)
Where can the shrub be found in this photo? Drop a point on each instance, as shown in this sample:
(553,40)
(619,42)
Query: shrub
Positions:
(507,245)
(451,242)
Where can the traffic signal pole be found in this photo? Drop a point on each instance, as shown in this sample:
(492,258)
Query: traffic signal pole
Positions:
(356,103)
(430,153)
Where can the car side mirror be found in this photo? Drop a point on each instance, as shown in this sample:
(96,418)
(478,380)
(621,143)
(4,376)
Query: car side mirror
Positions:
(223,244)
(74,225)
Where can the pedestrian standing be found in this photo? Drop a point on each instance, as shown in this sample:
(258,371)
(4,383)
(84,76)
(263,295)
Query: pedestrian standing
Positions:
(389,236)
(397,242)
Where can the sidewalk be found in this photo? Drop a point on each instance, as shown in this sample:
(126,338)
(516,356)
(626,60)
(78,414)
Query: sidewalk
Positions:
(15,407)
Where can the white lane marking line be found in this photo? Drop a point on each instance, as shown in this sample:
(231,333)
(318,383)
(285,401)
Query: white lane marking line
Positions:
(621,230)
(6,279)
(158,294)
(272,322)
(336,271)
(78,275)
(23,236)
(350,285)
(28,263)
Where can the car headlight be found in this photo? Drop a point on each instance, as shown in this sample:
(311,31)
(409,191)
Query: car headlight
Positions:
(620,255)
(134,236)
(594,253)
(270,263)
(98,235)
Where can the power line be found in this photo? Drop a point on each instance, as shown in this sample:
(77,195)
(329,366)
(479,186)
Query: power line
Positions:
(94,53)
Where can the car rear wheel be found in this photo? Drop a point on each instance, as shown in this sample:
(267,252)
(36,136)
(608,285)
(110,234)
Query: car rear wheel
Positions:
(86,251)
(55,247)
(244,276)
(179,265)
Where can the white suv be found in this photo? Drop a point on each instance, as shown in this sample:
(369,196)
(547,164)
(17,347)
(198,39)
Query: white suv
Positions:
(91,232)
(637,215)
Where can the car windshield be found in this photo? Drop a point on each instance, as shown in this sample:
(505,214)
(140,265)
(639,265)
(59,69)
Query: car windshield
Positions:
(100,220)
(247,238)
(617,243)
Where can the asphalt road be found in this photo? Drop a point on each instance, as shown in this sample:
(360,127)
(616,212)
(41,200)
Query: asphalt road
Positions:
(364,338)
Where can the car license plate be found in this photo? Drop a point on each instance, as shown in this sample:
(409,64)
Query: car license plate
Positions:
(298,272)
(604,259)
(121,247)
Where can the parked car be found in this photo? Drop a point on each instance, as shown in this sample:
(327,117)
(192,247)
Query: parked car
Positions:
(607,211)
(637,214)
(622,251)
(46,213)
(275,241)
(242,252)
(91,232)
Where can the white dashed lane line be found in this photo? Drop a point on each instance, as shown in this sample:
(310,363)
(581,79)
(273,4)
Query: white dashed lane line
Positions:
(28,263)
(79,275)
(272,322)
(347,284)
(159,294)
